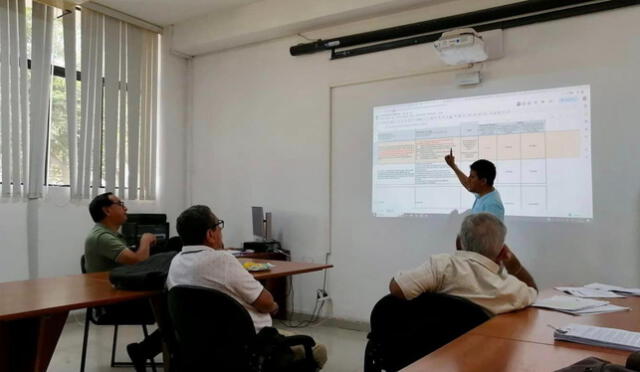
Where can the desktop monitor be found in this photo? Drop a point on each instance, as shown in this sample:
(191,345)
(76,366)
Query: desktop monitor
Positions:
(140,223)
(261,223)
(258,221)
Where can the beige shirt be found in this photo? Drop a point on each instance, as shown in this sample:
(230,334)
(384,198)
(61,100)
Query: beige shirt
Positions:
(202,266)
(469,275)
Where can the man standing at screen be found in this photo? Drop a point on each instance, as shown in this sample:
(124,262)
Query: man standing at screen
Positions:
(480,182)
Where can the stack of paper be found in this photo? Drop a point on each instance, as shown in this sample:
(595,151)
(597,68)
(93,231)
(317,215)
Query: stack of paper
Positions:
(588,292)
(577,306)
(613,288)
(599,336)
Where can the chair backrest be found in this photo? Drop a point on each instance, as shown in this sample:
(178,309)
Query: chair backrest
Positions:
(407,330)
(213,331)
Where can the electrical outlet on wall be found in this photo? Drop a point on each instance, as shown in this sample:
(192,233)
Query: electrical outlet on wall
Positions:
(322,295)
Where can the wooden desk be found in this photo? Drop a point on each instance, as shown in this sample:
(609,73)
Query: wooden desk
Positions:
(475,353)
(523,341)
(531,324)
(284,268)
(33,312)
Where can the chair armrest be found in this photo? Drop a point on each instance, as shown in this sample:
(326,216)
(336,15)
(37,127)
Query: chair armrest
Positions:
(306,341)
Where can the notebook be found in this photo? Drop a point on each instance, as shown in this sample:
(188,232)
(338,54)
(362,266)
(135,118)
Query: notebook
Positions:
(599,336)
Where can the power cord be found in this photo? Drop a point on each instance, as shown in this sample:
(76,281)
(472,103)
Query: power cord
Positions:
(315,314)
(321,298)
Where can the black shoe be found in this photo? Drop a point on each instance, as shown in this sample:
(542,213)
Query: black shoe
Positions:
(137,357)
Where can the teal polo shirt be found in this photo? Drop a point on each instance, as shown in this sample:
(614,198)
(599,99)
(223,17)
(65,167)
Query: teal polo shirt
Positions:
(489,203)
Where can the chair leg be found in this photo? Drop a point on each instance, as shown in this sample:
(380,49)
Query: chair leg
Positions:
(114,346)
(85,339)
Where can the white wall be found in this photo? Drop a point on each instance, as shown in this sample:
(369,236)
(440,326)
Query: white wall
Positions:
(270,19)
(59,226)
(262,136)
(13,235)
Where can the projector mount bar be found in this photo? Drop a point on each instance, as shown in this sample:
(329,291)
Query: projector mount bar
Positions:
(502,17)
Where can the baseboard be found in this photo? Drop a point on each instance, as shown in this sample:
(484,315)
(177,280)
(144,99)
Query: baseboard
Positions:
(354,325)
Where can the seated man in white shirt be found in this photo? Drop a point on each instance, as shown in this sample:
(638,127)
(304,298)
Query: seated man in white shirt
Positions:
(484,271)
(204,263)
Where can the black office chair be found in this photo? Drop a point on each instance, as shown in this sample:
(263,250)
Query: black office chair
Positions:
(404,331)
(128,313)
(171,356)
(215,333)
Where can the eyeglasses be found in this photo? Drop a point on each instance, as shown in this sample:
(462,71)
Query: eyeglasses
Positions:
(219,223)
(119,202)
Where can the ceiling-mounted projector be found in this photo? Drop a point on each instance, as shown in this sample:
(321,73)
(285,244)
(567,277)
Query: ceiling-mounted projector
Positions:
(461,46)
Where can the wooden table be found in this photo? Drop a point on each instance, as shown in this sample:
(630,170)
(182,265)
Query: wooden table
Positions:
(531,324)
(475,353)
(523,341)
(33,312)
(284,268)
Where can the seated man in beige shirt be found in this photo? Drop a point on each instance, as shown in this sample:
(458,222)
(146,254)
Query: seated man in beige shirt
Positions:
(484,271)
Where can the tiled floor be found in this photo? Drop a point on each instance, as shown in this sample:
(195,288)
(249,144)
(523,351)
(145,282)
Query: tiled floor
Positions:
(345,347)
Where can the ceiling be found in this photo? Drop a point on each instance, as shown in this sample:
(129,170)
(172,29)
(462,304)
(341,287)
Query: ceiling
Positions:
(167,12)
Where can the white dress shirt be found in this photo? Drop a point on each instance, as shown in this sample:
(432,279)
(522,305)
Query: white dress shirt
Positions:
(469,275)
(199,265)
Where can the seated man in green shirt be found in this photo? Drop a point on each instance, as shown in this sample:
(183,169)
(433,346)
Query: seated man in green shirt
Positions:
(105,249)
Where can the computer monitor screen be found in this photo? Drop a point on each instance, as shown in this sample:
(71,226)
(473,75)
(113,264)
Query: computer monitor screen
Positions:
(258,221)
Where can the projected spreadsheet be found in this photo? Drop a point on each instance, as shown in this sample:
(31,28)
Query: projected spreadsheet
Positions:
(538,140)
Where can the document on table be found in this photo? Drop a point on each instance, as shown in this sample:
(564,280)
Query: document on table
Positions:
(610,308)
(578,306)
(568,303)
(588,292)
(599,336)
(613,288)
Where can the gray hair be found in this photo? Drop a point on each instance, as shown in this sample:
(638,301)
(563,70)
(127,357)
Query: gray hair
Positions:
(483,233)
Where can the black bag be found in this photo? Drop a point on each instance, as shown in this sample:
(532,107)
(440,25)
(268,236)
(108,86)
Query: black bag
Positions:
(148,275)
(593,364)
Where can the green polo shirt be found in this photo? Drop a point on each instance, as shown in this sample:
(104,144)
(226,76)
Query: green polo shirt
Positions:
(101,249)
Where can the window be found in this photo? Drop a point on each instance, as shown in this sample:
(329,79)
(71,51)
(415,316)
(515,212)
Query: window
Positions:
(57,165)
(115,137)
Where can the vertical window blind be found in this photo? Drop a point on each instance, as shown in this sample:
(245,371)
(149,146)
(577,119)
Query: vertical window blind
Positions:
(112,144)
(117,133)
(14,99)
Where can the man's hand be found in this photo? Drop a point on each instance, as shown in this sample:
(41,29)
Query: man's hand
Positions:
(450,159)
(514,267)
(147,239)
(129,257)
(509,260)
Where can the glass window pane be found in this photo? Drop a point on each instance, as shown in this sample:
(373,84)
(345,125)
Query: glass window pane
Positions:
(58,164)
(57,49)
